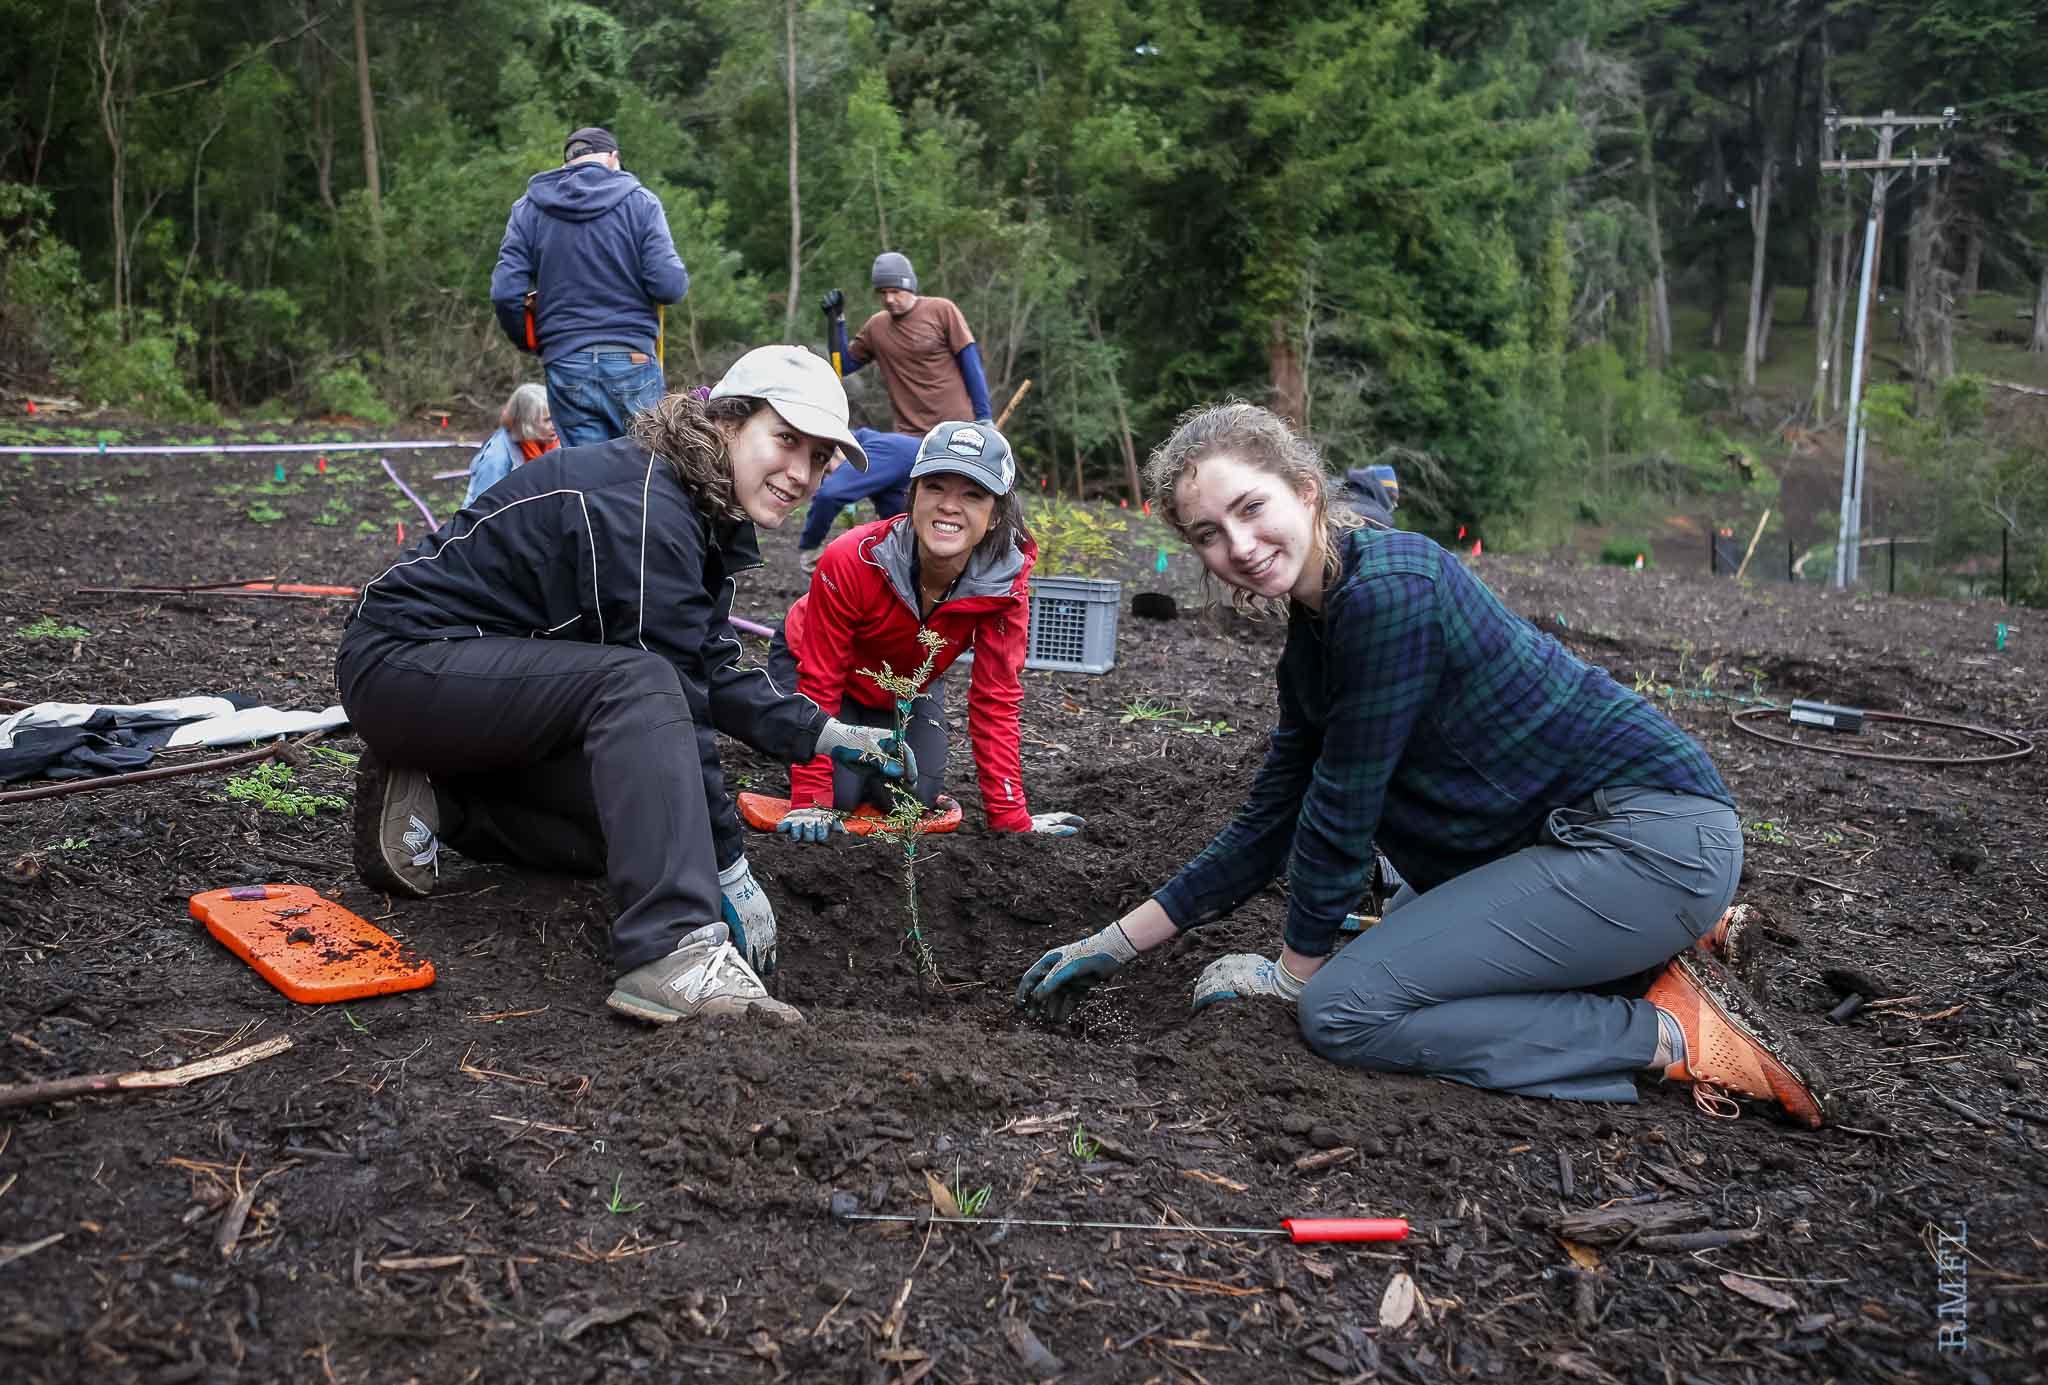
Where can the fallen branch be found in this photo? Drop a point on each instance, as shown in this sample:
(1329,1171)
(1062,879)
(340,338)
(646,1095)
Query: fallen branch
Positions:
(2016,389)
(107,1083)
(1816,880)
(277,749)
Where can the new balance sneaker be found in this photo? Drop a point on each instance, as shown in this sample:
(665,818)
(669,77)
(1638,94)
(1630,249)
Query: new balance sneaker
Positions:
(705,975)
(397,848)
(1730,1047)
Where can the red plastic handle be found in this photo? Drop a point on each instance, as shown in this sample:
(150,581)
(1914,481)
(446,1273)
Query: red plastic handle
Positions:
(1346,1229)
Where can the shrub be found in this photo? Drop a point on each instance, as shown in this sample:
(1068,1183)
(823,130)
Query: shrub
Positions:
(1622,552)
(1072,539)
(141,373)
(346,390)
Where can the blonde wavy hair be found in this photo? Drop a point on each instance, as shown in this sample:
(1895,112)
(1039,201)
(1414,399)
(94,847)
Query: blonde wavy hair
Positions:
(690,435)
(1263,440)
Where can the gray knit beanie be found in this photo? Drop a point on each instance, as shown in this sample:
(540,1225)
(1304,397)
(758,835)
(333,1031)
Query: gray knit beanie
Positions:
(893,271)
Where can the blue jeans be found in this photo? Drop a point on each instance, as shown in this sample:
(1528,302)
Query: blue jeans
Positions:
(1519,975)
(594,394)
(886,482)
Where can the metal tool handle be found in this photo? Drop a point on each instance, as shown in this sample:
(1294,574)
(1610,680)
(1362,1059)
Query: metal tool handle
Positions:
(1304,1229)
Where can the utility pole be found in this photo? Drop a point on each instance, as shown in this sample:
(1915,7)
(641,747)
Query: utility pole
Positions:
(1884,170)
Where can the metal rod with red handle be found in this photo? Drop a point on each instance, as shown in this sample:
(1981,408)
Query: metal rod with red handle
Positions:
(1300,1230)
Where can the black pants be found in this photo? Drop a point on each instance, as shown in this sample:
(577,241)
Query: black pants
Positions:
(853,786)
(572,757)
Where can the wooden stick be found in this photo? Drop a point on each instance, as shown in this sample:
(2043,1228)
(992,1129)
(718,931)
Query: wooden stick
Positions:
(1010,407)
(107,1083)
(1753,538)
(280,749)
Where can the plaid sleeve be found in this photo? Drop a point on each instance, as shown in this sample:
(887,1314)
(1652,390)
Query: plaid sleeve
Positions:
(1385,660)
(1246,855)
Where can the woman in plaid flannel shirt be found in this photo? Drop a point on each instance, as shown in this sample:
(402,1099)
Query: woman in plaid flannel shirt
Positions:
(1569,853)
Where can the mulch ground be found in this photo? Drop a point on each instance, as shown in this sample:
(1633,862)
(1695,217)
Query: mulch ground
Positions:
(497,1179)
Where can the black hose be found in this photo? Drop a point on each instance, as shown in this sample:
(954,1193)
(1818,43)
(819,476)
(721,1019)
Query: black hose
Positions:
(2015,747)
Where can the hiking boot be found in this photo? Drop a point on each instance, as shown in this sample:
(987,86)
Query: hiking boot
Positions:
(1730,1046)
(705,975)
(397,846)
(1730,937)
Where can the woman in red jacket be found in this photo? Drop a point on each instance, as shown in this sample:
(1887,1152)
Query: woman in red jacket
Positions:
(958,565)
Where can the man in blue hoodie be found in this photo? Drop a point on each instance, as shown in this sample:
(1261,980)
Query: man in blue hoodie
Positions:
(586,256)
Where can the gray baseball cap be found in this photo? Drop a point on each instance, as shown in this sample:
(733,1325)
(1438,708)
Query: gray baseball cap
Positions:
(974,450)
(893,271)
(800,387)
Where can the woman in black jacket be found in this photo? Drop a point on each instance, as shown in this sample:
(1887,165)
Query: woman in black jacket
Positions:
(539,679)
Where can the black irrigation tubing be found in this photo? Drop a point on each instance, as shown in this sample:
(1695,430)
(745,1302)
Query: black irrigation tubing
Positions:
(2016,747)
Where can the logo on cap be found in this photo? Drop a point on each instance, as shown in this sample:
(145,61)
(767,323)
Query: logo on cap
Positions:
(966,442)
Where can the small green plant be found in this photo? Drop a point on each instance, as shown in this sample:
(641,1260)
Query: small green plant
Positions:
(972,1204)
(901,822)
(74,844)
(616,1204)
(1072,539)
(47,628)
(1764,830)
(1144,710)
(332,756)
(262,512)
(366,527)
(269,786)
(1081,1147)
(331,515)
(353,1022)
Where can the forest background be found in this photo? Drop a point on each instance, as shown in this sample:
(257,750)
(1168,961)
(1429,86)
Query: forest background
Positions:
(1570,264)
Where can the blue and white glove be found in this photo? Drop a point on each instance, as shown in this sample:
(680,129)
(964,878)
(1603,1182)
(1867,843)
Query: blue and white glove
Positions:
(1062,978)
(1243,974)
(748,915)
(868,747)
(1057,824)
(810,824)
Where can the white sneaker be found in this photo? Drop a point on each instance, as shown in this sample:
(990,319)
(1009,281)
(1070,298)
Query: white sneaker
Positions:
(396,822)
(705,975)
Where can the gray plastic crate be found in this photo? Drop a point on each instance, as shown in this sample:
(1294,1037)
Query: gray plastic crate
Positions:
(1073,624)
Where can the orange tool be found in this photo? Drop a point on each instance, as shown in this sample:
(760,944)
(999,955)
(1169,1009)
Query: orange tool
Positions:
(310,948)
(1300,1230)
(763,812)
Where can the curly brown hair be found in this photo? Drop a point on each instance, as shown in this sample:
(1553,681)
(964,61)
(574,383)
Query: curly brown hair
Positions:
(690,435)
(1263,440)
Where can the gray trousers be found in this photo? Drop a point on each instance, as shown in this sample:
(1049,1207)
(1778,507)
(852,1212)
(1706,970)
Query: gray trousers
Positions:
(1519,976)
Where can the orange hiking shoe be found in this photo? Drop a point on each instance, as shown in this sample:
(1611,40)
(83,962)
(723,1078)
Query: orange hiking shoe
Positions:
(1730,1046)
(1729,938)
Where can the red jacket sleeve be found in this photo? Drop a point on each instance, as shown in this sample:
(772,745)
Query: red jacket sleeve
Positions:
(823,626)
(995,697)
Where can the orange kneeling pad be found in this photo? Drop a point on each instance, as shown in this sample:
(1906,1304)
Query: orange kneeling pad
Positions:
(763,812)
(310,948)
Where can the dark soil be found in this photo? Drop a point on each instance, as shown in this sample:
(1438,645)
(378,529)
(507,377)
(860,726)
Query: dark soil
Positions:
(496,1178)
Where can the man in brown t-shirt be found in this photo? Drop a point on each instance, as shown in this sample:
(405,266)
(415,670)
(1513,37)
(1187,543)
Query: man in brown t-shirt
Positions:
(932,371)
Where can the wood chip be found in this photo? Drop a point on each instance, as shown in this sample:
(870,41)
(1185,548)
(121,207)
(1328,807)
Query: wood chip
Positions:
(1039,1125)
(9,1254)
(1584,1256)
(1774,1299)
(596,1317)
(396,1264)
(1397,1305)
(1030,1351)
(943,1201)
(1216,1179)
(1315,1163)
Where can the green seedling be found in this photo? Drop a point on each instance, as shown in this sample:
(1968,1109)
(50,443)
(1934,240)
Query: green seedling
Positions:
(1081,1147)
(900,824)
(264,513)
(1764,830)
(269,786)
(1144,710)
(617,1204)
(972,1204)
(355,1023)
(74,844)
(334,756)
(48,629)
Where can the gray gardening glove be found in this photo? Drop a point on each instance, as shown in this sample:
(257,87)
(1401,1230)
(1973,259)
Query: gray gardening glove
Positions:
(748,916)
(1245,974)
(1062,978)
(868,747)
(1057,824)
(810,824)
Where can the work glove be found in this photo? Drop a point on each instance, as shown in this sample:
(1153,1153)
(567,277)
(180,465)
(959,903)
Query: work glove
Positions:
(810,824)
(748,916)
(1244,974)
(868,747)
(1062,978)
(1057,824)
(986,422)
(834,304)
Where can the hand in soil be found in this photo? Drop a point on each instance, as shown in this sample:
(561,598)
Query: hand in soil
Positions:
(1057,824)
(1061,979)
(810,824)
(1243,974)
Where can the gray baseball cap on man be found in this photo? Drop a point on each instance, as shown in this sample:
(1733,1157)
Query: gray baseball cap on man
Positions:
(974,450)
(893,271)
